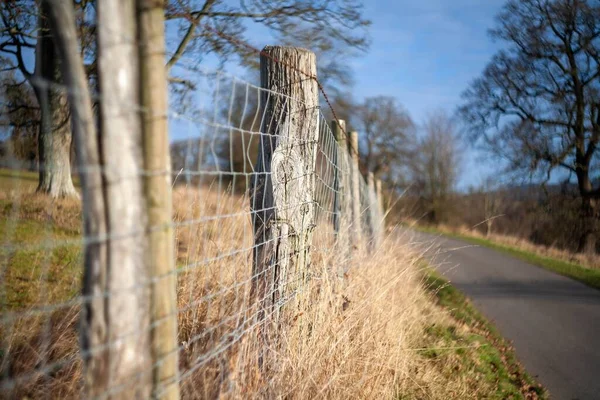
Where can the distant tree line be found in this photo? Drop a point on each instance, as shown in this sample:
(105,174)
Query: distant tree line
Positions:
(535,107)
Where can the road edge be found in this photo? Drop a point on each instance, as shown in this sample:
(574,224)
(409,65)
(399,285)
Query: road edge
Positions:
(495,356)
(588,276)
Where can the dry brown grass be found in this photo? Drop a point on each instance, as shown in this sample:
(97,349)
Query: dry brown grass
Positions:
(353,339)
(358,338)
(346,341)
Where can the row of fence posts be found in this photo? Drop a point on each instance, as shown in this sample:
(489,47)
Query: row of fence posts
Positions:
(283,195)
(283,201)
(347,205)
(283,214)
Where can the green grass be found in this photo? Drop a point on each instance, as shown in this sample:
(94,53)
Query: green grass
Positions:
(17,181)
(41,254)
(21,181)
(477,353)
(42,264)
(588,276)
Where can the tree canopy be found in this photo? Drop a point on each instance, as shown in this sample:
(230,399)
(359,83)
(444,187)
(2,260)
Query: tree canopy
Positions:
(537,104)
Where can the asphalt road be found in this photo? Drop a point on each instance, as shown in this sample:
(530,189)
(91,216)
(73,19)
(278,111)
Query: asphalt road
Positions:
(553,321)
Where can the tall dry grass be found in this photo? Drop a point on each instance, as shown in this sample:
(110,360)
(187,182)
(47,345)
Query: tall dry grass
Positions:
(337,338)
(340,338)
(354,341)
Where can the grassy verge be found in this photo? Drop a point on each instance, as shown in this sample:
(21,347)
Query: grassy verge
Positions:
(34,274)
(588,276)
(41,253)
(472,349)
(18,181)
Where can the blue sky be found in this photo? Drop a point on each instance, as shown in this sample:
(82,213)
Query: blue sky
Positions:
(425,53)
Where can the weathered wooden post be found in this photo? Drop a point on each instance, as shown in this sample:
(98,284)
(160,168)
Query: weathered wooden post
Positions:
(379,193)
(373,210)
(342,207)
(284,185)
(157,185)
(116,321)
(336,160)
(340,182)
(355,192)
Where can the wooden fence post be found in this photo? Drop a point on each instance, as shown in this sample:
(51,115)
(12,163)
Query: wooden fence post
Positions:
(379,193)
(355,192)
(340,182)
(157,163)
(284,184)
(373,210)
(371,217)
(337,184)
(117,326)
(342,207)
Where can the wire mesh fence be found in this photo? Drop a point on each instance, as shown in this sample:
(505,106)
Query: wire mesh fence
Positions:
(263,187)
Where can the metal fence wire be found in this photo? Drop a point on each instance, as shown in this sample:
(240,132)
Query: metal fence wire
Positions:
(229,209)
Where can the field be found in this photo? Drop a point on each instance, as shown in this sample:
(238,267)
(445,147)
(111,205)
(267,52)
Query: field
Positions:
(392,330)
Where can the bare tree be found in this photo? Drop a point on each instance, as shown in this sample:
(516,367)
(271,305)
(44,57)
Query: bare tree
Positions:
(54,136)
(536,104)
(330,24)
(19,120)
(333,30)
(387,136)
(26,33)
(198,27)
(435,165)
(492,202)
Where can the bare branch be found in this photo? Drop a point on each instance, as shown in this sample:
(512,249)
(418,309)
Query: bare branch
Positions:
(195,20)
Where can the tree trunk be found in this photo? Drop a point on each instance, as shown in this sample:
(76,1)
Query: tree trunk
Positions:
(587,243)
(488,231)
(54,138)
(590,222)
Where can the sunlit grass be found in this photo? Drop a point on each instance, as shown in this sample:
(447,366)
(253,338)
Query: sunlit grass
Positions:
(377,334)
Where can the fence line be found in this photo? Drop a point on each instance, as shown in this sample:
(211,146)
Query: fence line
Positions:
(263,188)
